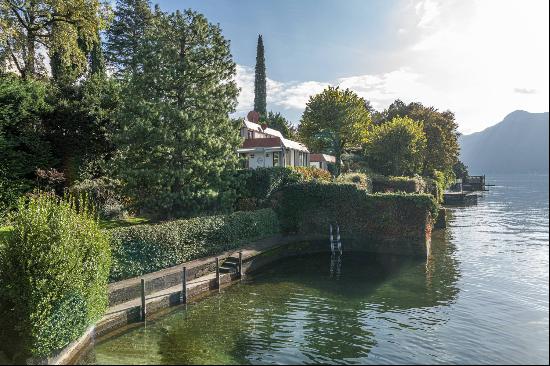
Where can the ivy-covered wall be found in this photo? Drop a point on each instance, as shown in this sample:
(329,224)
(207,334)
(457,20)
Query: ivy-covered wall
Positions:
(392,219)
(148,248)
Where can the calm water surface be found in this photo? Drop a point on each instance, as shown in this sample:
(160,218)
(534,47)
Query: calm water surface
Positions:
(481,298)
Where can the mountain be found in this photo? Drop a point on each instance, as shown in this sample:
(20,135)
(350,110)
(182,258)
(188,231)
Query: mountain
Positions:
(518,144)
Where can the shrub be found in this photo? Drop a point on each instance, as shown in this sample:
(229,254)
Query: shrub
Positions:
(54,271)
(10,191)
(438,183)
(104,193)
(396,147)
(309,208)
(361,180)
(255,187)
(311,173)
(414,184)
(147,248)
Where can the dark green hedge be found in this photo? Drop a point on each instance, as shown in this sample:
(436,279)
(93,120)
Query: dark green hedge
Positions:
(147,248)
(255,186)
(54,267)
(309,208)
(382,184)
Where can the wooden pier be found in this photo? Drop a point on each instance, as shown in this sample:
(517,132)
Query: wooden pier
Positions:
(474,183)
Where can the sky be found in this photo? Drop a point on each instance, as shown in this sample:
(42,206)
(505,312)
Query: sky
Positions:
(481,59)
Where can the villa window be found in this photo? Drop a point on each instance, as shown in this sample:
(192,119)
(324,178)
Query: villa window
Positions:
(275,159)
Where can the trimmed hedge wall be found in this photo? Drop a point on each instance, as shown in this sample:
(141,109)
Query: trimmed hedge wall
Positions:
(382,184)
(53,276)
(256,186)
(309,208)
(148,248)
(310,173)
(361,180)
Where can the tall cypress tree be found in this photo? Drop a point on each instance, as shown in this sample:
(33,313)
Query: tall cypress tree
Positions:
(260,93)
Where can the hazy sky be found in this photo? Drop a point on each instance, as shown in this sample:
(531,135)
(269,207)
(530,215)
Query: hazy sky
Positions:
(481,59)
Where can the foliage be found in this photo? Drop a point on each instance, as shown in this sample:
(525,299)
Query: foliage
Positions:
(361,180)
(260,86)
(277,122)
(309,174)
(460,170)
(442,146)
(439,182)
(354,160)
(396,147)
(147,248)
(126,33)
(176,143)
(66,30)
(255,187)
(334,121)
(79,122)
(23,147)
(54,270)
(127,221)
(309,208)
(105,195)
(414,184)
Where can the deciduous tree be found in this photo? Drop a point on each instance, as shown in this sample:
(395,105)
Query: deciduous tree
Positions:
(64,29)
(334,121)
(397,147)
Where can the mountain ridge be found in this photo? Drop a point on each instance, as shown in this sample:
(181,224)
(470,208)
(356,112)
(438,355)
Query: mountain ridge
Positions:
(517,144)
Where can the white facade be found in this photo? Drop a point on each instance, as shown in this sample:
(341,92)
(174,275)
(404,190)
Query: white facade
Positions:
(268,148)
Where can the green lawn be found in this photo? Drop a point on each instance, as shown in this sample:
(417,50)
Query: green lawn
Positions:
(112,224)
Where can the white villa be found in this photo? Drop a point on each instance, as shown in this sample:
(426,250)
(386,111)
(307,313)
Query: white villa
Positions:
(268,148)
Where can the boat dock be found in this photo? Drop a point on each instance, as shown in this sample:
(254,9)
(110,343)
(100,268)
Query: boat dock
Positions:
(459,198)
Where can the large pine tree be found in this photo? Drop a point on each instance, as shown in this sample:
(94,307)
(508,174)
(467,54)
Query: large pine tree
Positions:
(125,35)
(260,92)
(176,140)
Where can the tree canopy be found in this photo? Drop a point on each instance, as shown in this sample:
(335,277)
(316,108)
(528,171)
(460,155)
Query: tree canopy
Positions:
(441,132)
(65,29)
(334,121)
(397,147)
(176,141)
(277,122)
(131,20)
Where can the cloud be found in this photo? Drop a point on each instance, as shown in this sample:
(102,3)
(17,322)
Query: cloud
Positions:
(525,91)
(466,56)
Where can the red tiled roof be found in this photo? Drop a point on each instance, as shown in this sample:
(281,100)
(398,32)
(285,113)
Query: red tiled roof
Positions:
(266,142)
(322,157)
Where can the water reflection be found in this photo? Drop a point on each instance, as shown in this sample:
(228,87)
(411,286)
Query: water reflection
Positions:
(295,311)
(481,297)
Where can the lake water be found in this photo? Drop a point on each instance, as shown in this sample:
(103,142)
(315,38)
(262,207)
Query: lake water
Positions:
(481,298)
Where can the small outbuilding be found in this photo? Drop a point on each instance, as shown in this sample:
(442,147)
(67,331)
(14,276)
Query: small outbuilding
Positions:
(321,161)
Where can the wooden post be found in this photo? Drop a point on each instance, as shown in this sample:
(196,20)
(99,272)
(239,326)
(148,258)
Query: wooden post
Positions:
(184,286)
(241,264)
(218,273)
(143,308)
